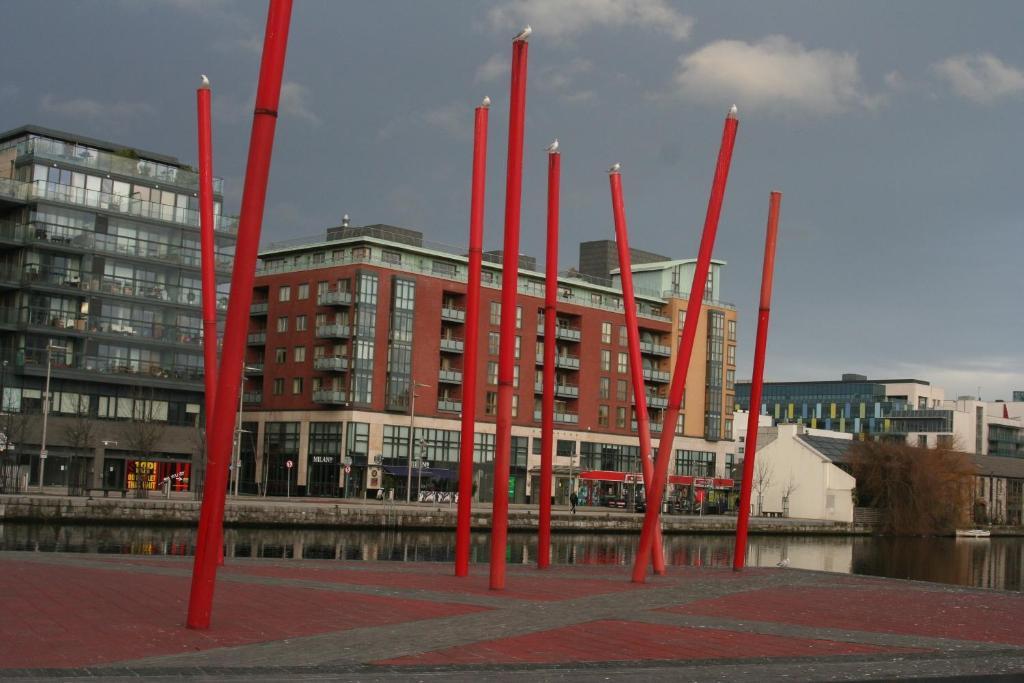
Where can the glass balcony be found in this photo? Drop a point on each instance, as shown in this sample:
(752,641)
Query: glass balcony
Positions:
(449,406)
(259,308)
(334,298)
(452,345)
(108,162)
(330,396)
(656,375)
(330,364)
(562,361)
(567,333)
(254,368)
(252,397)
(333,331)
(655,349)
(655,426)
(449,376)
(562,390)
(657,402)
(256,339)
(453,315)
(564,417)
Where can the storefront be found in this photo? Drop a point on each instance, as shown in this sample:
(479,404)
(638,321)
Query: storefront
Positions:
(699,495)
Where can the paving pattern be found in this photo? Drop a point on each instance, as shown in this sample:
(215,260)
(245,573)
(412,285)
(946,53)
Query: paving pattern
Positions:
(111,617)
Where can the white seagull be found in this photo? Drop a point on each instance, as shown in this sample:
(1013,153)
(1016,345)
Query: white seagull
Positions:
(783,564)
(733,111)
(553,147)
(206,82)
(524,34)
(486,102)
(615,167)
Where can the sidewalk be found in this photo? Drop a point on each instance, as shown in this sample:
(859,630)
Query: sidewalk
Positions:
(99,616)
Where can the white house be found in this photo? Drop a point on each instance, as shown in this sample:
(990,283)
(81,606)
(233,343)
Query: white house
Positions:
(794,475)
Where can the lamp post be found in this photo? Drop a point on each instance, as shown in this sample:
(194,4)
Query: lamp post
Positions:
(236,467)
(50,348)
(412,436)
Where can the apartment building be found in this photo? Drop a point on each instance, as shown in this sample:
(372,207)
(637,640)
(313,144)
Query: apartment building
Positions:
(356,340)
(100,289)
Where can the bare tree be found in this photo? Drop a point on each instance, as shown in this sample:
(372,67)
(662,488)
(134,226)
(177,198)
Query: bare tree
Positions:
(79,432)
(143,434)
(787,490)
(762,481)
(18,427)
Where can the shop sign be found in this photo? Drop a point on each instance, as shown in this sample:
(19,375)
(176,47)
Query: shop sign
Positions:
(322,459)
(373,478)
(511,487)
(704,482)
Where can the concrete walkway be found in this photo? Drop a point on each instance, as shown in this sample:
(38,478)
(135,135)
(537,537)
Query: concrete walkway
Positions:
(100,617)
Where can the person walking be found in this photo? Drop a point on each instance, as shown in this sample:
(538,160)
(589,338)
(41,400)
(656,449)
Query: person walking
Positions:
(573,501)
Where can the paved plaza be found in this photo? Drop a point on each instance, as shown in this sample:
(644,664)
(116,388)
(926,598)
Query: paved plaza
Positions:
(116,617)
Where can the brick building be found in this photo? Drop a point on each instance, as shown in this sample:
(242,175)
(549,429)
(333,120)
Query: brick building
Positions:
(357,336)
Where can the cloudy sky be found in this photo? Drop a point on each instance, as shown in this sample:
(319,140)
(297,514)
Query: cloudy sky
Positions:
(887,126)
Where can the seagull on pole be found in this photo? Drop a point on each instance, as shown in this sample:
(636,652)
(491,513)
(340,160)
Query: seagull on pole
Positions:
(486,102)
(524,34)
(733,111)
(615,167)
(553,147)
(206,82)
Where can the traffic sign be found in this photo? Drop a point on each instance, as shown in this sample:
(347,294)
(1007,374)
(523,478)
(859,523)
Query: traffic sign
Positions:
(289,464)
(42,454)
(348,469)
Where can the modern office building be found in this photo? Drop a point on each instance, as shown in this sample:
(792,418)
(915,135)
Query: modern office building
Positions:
(100,289)
(910,410)
(356,337)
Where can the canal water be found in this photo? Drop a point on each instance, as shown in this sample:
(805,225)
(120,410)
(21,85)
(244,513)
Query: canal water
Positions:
(981,563)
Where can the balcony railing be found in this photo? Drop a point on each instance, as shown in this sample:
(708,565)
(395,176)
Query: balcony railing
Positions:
(256,339)
(655,349)
(655,426)
(657,402)
(254,368)
(449,406)
(452,314)
(562,361)
(656,375)
(334,298)
(449,376)
(331,364)
(333,331)
(562,417)
(144,369)
(252,397)
(567,333)
(259,308)
(330,396)
(452,345)
(563,390)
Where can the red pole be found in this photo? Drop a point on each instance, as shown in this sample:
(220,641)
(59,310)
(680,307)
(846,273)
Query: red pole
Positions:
(208,263)
(261,142)
(509,285)
(678,385)
(750,447)
(476,244)
(547,428)
(636,371)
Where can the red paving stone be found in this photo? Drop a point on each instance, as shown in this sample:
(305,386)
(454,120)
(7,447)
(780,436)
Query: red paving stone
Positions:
(69,616)
(991,617)
(541,587)
(616,641)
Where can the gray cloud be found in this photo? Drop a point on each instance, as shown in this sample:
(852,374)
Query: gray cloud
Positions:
(982,78)
(85,107)
(563,18)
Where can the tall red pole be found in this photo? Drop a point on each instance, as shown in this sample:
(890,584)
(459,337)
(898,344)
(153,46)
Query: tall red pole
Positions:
(678,385)
(509,285)
(469,366)
(208,264)
(261,142)
(547,425)
(750,447)
(636,370)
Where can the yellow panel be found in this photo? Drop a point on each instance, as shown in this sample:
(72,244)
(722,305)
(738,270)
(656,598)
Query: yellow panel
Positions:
(863,410)
(790,411)
(832,411)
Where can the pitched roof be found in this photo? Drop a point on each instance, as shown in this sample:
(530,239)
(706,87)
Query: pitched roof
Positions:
(836,450)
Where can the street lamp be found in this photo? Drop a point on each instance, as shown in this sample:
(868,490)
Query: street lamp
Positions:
(236,468)
(50,348)
(412,437)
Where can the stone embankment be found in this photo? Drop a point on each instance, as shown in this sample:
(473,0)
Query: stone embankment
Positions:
(259,512)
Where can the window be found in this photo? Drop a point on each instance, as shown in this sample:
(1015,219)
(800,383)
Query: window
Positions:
(519,343)
(492,372)
(278,386)
(515,376)
(602,415)
(282,324)
(442,268)
(731,354)
(519,317)
(300,354)
(321,289)
(284,293)
(491,404)
(303,292)
(604,388)
(606,360)
(515,405)
(297,385)
(623,336)
(281,354)
(321,319)
(388,256)
(493,343)
(730,379)
(621,390)
(606,333)
(732,330)
(495,312)
(300,323)
(682,319)
(728,428)
(623,364)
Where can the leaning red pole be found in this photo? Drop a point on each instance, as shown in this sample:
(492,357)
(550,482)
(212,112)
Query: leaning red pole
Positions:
(767,273)
(469,366)
(547,425)
(509,285)
(208,264)
(636,371)
(678,385)
(261,142)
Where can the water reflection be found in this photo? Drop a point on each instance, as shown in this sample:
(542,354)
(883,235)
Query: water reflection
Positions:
(990,563)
